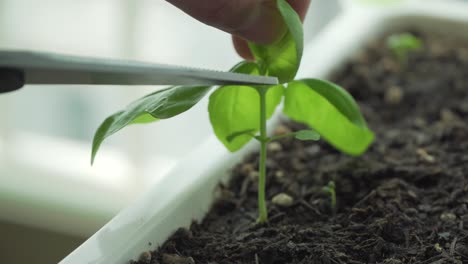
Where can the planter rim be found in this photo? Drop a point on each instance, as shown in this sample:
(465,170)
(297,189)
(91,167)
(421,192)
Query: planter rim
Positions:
(186,192)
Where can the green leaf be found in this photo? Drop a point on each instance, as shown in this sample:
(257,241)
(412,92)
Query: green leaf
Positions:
(307,135)
(246,67)
(143,119)
(330,187)
(158,105)
(236,109)
(339,97)
(331,111)
(231,137)
(282,58)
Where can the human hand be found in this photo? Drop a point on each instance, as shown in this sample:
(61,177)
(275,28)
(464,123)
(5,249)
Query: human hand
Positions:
(254,20)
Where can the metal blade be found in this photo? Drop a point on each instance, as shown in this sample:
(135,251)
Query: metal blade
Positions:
(48,68)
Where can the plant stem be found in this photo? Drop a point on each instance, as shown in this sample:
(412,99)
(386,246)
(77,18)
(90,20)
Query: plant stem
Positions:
(262,209)
(330,188)
(333,201)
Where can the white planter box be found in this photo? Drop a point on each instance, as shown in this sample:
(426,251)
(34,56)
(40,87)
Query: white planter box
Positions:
(188,191)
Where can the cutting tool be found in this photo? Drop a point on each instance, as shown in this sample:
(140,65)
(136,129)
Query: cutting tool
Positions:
(19,68)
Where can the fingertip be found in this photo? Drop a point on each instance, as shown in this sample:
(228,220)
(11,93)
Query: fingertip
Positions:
(300,6)
(268,27)
(242,48)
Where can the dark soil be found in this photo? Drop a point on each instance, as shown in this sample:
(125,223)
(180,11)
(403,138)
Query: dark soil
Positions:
(404,201)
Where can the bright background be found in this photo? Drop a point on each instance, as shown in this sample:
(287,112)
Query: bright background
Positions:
(51,199)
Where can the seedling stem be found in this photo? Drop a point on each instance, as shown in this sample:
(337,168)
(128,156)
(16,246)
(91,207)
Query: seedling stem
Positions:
(263,212)
(330,189)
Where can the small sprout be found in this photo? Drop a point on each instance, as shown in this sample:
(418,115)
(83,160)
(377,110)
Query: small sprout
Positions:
(402,44)
(330,189)
(239,114)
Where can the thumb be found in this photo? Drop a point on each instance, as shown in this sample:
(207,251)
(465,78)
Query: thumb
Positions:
(255,20)
(241,46)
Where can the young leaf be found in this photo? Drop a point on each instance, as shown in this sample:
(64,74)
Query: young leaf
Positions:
(236,109)
(307,135)
(158,105)
(282,59)
(331,111)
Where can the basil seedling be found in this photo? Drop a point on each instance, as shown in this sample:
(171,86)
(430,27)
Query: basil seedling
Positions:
(239,114)
(330,188)
(402,44)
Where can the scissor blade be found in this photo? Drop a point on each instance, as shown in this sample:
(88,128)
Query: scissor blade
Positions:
(48,68)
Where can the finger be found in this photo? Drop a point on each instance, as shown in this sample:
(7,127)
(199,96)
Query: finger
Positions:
(242,48)
(256,20)
(301,7)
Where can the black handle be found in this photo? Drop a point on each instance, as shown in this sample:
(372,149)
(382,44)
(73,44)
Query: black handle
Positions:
(10,79)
